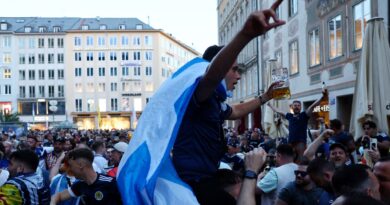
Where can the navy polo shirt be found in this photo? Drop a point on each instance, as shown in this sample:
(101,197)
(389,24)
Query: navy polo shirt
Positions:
(103,191)
(200,143)
(297,127)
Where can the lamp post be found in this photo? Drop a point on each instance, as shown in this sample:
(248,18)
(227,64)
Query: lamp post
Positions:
(53,107)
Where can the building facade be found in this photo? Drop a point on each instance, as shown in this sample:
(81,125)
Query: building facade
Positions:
(94,72)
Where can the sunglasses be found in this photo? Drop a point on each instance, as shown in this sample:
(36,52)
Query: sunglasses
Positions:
(302,173)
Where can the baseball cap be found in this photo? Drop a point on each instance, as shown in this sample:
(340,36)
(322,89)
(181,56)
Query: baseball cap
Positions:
(120,147)
(338,145)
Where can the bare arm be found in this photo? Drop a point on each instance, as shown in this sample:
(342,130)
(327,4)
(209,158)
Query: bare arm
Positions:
(62,196)
(256,24)
(253,161)
(317,102)
(55,169)
(281,113)
(312,148)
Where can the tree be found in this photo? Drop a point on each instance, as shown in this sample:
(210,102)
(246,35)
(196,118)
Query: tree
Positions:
(13,117)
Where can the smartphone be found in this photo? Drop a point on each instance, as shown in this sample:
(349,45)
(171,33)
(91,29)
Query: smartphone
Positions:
(374,144)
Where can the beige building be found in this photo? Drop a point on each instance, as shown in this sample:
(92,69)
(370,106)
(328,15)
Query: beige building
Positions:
(114,67)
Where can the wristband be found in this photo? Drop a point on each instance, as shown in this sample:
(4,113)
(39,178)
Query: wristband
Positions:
(249,174)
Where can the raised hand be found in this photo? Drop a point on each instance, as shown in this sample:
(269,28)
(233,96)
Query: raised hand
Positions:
(258,22)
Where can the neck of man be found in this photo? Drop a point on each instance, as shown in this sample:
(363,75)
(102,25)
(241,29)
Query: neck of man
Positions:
(90,176)
(309,186)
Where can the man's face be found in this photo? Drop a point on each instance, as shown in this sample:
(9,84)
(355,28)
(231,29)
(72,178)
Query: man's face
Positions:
(116,156)
(232,77)
(296,107)
(58,146)
(338,156)
(75,167)
(67,145)
(32,143)
(369,130)
(382,172)
(301,176)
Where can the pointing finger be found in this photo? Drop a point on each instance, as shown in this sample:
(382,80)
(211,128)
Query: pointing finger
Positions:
(276,4)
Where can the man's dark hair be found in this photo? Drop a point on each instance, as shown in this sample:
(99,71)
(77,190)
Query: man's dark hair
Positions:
(96,145)
(297,101)
(370,123)
(318,166)
(211,52)
(336,124)
(352,178)
(226,177)
(338,145)
(285,150)
(81,153)
(27,157)
(360,199)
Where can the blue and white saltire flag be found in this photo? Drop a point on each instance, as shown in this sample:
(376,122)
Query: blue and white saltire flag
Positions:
(146,174)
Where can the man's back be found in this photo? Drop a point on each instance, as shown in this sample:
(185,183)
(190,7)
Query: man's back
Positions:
(26,189)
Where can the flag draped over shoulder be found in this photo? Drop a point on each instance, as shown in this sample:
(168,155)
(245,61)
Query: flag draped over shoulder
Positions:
(146,174)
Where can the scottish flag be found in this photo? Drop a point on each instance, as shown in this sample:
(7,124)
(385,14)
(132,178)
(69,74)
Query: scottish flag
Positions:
(146,174)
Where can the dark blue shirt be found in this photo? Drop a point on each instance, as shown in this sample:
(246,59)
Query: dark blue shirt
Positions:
(297,127)
(293,194)
(327,198)
(200,143)
(103,191)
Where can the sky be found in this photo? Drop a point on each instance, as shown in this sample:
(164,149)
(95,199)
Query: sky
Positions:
(193,22)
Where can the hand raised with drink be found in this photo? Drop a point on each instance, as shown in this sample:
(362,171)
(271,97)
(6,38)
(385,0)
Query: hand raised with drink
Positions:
(258,22)
(269,94)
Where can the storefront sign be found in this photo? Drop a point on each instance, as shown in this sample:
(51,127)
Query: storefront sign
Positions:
(131,94)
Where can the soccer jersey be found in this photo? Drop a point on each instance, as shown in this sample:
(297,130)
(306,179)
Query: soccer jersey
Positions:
(103,191)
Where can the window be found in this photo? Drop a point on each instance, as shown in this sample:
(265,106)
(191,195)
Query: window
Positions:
(3,26)
(137,86)
(90,87)
(136,41)
(22,91)
(101,87)
(89,71)
(60,74)
(113,56)
(292,7)
(41,29)
(148,40)
(102,71)
(149,87)
(103,27)
(101,41)
(56,29)
(7,42)
(78,87)
(77,41)
(90,105)
(293,54)
(31,74)
(335,37)
(31,90)
(31,42)
(114,104)
(102,56)
(77,56)
(60,58)
(41,42)
(50,42)
(113,71)
(126,86)
(90,56)
(315,54)
(51,74)
(7,90)
(114,86)
(125,56)
(50,58)
(89,40)
(41,58)
(278,56)
(122,27)
(7,73)
(79,103)
(148,55)
(113,41)
(148,71)
(41,91)
(61,91)
(60,43)
(125,71)
(361,13)
(137,71)
(22,43)
(22,59)
(22,75)
(125,40)
(51,91)
(7,58)
(136,55)
(77,72)
(84,27)
(41,74)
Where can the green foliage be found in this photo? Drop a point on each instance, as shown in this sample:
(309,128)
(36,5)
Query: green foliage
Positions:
(13,117)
